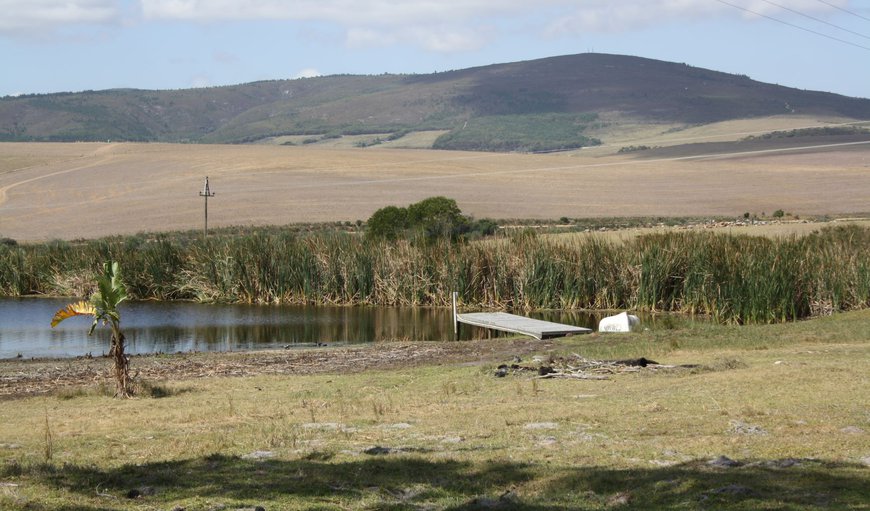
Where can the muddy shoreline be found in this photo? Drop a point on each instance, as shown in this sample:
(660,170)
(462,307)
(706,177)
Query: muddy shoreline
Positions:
(33,377)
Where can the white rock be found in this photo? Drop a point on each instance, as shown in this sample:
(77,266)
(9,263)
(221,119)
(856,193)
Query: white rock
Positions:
(322,425)
(398,425)
(259,455)
(541,425)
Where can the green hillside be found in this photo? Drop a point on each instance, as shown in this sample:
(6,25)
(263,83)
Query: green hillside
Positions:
(536,105)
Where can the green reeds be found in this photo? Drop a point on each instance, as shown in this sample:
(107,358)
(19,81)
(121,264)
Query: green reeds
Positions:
(740,279)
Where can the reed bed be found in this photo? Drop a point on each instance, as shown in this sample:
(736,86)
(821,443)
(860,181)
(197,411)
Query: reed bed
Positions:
(734,278)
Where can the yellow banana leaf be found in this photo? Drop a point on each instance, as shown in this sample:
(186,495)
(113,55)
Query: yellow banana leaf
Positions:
(82,308)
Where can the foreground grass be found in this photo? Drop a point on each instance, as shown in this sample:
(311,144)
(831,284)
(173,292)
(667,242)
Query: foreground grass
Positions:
(788,402)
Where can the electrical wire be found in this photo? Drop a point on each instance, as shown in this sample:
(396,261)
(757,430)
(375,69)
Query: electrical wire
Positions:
(847,11)
(850,43)
(789,9)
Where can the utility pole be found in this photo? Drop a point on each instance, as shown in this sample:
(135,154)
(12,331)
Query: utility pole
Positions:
(206,193)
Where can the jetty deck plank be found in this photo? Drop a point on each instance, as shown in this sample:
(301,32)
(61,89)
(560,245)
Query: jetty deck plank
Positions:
(520,324)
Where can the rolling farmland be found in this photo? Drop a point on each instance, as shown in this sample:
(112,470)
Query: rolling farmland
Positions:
(85,190)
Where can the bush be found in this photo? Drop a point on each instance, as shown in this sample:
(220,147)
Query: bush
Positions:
(481,228)
(437,217)
(431,219)
(369,143)
(778,213)
(633,148)
(388,223)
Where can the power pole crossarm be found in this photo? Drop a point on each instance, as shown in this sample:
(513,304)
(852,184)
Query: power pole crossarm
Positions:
(206,193)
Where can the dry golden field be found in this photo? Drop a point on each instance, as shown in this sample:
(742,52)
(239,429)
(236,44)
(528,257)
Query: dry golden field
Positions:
(88,190)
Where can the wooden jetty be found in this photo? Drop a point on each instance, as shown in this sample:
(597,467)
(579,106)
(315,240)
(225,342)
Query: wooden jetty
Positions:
(512,323)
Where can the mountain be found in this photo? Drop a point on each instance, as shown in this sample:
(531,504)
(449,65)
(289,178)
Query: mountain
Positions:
(540,104)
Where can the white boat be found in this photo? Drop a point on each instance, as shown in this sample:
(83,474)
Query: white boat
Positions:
(622,322)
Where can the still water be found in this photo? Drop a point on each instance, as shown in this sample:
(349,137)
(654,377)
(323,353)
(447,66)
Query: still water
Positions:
(167,327)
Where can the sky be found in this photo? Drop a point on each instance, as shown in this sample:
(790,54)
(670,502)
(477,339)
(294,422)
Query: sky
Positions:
(74,45)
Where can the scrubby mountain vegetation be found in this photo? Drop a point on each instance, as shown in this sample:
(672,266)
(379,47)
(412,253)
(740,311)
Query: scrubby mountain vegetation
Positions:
(537,105)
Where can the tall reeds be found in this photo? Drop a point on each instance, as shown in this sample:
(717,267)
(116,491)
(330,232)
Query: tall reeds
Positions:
(740,279)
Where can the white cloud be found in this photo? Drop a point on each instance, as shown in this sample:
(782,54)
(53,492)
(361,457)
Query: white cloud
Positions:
(447,40)
(458,25)
(200,81)
(435,25)
(444,39)
(309,72)
(225,57)
(345,12)
(623,15)
(20,16)
(598,14)
(362,37)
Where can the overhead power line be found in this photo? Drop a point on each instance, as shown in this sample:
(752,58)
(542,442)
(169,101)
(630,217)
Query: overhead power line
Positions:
(789,9)
(847,11)
(850,43)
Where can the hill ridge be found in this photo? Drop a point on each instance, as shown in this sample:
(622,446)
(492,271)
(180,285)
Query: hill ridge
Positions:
(539,104)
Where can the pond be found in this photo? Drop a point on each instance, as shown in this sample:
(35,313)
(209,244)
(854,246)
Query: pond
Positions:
(168,327)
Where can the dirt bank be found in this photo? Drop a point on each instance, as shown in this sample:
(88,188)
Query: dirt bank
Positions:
(22,378)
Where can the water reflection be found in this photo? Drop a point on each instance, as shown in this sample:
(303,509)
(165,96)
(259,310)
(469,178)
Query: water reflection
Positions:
(177,326)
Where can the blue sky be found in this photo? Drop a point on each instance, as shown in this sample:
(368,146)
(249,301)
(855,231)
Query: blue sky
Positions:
(73,45)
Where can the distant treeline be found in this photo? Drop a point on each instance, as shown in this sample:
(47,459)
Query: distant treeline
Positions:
(828,131)
(740,279)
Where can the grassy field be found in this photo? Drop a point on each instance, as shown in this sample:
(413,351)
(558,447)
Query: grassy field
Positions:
(787,405)
(70,191)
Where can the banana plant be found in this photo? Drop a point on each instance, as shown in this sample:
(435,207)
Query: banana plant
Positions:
(103,307)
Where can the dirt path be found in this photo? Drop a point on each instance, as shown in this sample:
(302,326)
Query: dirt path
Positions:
(22,378)
(100,156)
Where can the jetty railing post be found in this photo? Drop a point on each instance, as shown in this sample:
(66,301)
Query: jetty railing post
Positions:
(455,318)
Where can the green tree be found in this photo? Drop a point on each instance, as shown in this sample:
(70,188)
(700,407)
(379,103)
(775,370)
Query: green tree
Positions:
(103,306)
(437,217)
(389,223)
(428,220)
